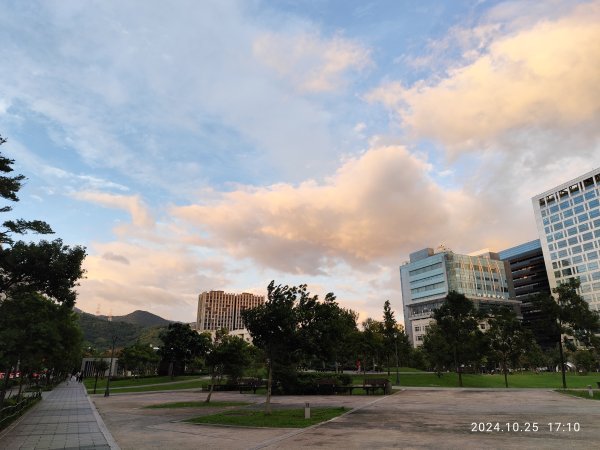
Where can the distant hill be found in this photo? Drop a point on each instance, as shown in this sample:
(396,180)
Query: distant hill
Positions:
(139,326)
(143,318)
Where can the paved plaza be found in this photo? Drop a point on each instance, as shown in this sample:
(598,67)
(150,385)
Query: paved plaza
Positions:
(413,418)
(416,418)
(65,418)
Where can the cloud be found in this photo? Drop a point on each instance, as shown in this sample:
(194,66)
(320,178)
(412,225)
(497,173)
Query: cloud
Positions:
(114,257)
(133,204)
(121,86)
(313,64)
(374,209)
(540,77)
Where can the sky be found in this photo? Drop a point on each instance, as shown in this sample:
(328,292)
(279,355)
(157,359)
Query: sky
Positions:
(218,145)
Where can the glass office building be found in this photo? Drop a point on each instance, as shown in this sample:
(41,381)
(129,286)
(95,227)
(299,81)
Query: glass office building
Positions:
(568,222)
(429,275)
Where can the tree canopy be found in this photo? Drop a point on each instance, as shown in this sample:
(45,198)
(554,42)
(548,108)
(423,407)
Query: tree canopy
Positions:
(293,327)
(181,345)
(458,322)
(568,316)
(50,268)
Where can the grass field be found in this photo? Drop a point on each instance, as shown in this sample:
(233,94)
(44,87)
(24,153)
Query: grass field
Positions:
(415,378)
(582,394)
(286,418)
(518,380)
(146,384)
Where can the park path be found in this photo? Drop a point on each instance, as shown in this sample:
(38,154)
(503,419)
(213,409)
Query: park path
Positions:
(65,418)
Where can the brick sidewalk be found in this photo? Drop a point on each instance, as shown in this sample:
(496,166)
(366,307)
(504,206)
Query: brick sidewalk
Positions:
(65,418)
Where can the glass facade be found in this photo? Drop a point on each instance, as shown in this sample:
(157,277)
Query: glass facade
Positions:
(429,276)
(568,219)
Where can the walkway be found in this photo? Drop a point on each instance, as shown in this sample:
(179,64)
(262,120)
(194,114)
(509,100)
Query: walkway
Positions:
(65,418)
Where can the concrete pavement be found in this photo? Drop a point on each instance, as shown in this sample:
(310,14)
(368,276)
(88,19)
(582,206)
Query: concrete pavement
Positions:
(420,418)
(65,418)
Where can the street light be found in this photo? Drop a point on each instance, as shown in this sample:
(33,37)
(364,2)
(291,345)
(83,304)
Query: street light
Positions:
(171,365)
(112,354)
(397,360)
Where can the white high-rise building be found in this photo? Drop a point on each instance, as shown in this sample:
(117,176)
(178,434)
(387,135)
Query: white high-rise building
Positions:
(568,222)
(218,309)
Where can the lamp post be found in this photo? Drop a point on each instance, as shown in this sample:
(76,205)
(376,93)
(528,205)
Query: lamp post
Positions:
(112,355)
(171,365)
(397,360)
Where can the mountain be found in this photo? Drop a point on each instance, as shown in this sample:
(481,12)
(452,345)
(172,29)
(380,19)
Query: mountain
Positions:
(143,318)
(137,326)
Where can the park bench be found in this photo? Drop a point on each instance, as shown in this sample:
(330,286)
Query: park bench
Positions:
(250,384)
(372,384)
(326,386)
(331,386)
(220,387)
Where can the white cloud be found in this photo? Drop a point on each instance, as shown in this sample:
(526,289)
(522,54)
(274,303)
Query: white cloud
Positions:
(131,203)
(375,209)
(313,64)
(540,77)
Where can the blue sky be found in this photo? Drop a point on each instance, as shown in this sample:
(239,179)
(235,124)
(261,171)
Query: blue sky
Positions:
(218,145)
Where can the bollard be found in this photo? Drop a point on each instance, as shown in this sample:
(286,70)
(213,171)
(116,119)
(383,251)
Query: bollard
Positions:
(590,390)
(307,410)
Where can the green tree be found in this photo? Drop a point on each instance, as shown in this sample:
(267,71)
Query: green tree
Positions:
(324,329)
(568,314)
(138,358)
(508,339)
(372,343)
(37,332)
(181,345)
(458,323)
(100,367)
(9,188)
(534,357)
(389,333)
(436,349)
(50,268)
(229,356)
(274,329)
(585,361)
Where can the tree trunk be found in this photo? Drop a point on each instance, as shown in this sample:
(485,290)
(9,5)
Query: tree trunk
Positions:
(562,363)
(212,385)
(505,370)
(458,369)
(96,381)
(269,384)
(5,385)
(20,386)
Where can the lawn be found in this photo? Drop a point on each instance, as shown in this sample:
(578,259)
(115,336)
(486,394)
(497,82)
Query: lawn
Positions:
(282,418)
(582,394)
(202,404)
(518,380)
(548,380)
(147,384)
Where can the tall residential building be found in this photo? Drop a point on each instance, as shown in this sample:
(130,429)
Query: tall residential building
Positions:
(568,222)
(430,275)
(530,278)
(218,309)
